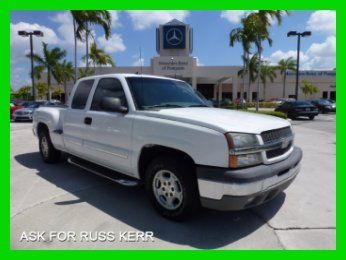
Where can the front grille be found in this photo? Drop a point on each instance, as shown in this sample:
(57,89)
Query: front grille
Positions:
(21,113)
(277,152)
(276,134)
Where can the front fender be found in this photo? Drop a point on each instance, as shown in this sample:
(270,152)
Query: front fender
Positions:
(205,146)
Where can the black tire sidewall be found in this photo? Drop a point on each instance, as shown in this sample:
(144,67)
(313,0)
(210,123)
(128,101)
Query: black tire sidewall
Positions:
(53,154)
(184,172)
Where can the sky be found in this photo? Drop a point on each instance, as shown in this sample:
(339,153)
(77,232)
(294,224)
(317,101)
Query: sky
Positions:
(134,30)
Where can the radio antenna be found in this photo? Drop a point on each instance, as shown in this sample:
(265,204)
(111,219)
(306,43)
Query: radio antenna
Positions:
(140,59)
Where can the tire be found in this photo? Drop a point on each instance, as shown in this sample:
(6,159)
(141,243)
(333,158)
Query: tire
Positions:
(311,117)
(48,153)
(171,186)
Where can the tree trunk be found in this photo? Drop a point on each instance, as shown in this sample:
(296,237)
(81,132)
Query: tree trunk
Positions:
(284,87)
(48,83)
(243,77)
(65,90)
(264,91)
(75,50)
(259,73)
(87,46)
(249,83)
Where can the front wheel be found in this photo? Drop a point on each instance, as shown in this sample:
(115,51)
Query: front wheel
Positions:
(172,187)
(47,150)
(311,117)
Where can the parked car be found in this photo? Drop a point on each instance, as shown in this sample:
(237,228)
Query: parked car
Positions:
(324,105)
(277,100)
(299,108)
(14,107)
(154,130)
(26,113)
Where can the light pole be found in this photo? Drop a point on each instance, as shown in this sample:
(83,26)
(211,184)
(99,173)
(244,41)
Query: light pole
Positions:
(30,34)
(303,34)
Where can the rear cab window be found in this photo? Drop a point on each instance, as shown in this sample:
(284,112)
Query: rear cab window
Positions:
(81,94)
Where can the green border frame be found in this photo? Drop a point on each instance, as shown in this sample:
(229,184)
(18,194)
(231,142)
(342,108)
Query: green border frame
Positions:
(7,5)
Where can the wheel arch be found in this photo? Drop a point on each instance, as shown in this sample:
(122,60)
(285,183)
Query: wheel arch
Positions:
(152,151)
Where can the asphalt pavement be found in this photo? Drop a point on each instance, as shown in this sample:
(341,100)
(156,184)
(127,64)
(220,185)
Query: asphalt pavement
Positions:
(60,198)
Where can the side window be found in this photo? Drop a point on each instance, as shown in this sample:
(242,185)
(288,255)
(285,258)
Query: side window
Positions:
(81,94)
(108,87)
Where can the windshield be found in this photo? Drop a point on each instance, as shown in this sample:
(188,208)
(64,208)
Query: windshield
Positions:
(150,93)
(34,105)
(323,102)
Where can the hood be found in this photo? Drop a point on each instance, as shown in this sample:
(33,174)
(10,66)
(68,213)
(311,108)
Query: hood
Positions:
(222,120)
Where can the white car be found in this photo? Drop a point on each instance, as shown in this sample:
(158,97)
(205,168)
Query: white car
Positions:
(154,130)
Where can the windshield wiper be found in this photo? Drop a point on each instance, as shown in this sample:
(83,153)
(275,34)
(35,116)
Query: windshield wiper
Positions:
(161,106)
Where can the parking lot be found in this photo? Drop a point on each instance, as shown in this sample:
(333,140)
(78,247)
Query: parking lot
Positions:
(62,197)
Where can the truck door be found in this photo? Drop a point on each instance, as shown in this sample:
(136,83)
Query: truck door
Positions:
(73,121)
(108,133)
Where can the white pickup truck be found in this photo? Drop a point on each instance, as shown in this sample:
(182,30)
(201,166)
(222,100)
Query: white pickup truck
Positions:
(157,131)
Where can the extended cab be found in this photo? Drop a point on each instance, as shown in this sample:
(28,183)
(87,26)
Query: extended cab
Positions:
(157,131)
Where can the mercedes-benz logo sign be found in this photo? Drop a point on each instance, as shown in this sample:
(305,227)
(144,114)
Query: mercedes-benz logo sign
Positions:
(174,36)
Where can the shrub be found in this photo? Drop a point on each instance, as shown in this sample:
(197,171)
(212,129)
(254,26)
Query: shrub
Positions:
(270,113)
(263,104)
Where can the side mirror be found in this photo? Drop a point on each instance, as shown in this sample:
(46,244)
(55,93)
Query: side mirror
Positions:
(112,104)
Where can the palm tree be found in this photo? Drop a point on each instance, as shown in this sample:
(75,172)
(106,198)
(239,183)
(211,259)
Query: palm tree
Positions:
(85,19)
(308,88)
(285,65)
(239,35)
(256,26)
(267,72)
(64,72)
(85,72)
(251,69)
(82,20)
(48,62)
(99,57)
(78,18)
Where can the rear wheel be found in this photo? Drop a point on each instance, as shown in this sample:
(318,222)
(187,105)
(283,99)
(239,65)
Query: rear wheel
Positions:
(311,117)
(48,152)
(172,187)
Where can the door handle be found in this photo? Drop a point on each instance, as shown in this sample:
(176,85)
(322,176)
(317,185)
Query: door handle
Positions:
(88,120)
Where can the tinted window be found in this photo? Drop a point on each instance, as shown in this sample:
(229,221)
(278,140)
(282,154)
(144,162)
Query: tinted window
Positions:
(302,103)
(81,94)
(152,92)
(108,87)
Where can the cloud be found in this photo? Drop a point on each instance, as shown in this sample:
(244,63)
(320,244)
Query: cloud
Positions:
(65,30)
(114,44)
(318,56)
(115,19)
(20,46)
(235,16)
(137,60)
(144,19)
(323,22)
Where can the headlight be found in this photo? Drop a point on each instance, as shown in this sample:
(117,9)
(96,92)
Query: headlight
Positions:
(240,141)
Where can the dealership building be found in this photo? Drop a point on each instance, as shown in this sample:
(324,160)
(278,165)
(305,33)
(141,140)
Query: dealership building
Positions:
(174,46)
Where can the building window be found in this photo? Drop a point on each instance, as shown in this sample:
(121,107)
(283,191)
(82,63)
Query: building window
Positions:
(238,94)
(333,95)
(254,95)
(325,94)
(227,95)
(245,95)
